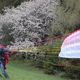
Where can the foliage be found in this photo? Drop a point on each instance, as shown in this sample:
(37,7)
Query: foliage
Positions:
(72,69)
(6,33)
(51,49)
(50,60)
(32,21)
(50,64)
(9,3)
(68,19)
(45,49)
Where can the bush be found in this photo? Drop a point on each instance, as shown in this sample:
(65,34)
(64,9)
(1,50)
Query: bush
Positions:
(51,64)
(72,69)
(38,63)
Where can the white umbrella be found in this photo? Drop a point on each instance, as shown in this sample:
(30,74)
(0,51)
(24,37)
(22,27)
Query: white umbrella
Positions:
(71,46)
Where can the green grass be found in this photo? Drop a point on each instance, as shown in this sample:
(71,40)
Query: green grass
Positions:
(22,71)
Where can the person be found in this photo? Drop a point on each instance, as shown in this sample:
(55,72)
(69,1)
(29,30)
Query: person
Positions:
(3,61)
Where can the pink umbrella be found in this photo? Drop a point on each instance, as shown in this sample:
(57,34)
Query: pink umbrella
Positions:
(71,46)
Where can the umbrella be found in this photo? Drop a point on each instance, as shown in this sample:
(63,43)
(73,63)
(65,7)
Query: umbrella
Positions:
(71,46)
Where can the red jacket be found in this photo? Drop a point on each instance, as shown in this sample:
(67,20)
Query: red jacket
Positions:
(6,57)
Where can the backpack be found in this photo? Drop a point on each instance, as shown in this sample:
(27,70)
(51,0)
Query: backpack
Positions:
(1,55)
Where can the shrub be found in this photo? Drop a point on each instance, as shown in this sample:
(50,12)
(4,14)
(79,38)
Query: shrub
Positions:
(72,70)
(51,64)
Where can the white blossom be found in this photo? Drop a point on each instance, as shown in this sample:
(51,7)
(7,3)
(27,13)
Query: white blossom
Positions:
(31,20)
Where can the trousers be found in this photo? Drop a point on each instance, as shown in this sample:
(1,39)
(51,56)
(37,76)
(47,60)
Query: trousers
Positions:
(4,71)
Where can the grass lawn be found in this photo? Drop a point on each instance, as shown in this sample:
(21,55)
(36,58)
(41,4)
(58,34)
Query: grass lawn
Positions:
(22,71)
